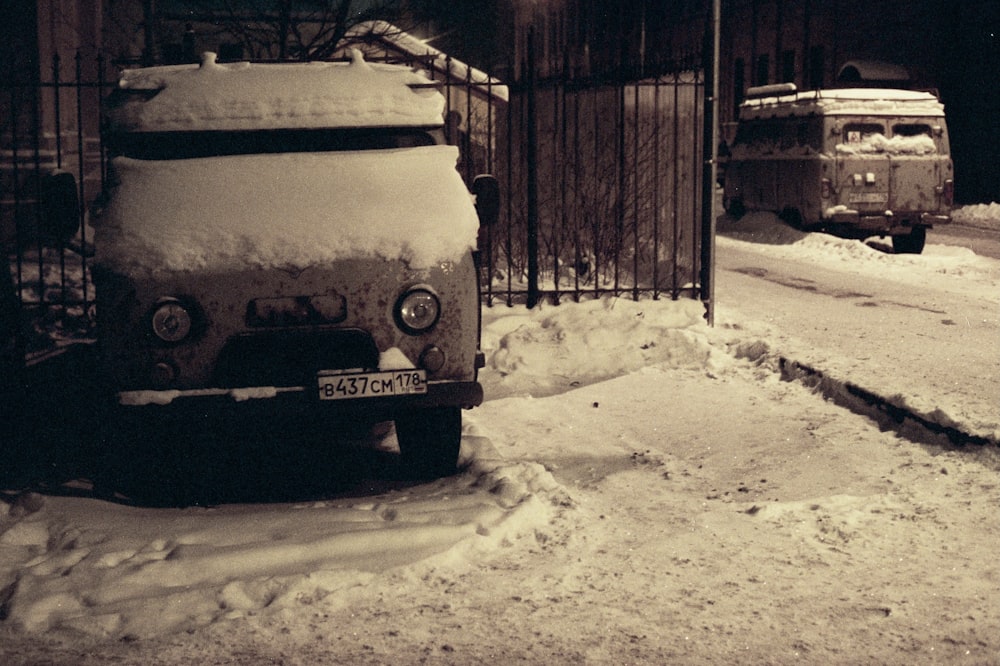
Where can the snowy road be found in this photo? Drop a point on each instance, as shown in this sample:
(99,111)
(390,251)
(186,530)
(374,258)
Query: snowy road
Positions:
(985,242)
(919,329)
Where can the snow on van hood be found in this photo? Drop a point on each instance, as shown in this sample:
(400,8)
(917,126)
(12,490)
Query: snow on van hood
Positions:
(286,210)
(241,96)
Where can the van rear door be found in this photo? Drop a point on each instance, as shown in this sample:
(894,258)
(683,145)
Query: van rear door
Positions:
(916,168)
(863,169)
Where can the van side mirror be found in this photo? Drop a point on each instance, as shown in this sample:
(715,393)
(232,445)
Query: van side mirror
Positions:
(60,206)
(487,192)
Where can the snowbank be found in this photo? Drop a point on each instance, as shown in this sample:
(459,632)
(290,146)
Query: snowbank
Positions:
(772,236)
(985,216)
(553,349)
(81,566)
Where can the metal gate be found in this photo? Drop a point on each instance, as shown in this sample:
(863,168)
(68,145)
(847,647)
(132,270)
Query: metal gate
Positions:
(602,179)
(50,125)
(602,182)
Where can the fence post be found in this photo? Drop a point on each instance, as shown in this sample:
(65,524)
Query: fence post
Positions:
(710,149)
(532,173)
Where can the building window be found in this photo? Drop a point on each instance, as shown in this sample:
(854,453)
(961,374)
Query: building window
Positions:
(788,67)
(761,77)
(816,66)
(739,84)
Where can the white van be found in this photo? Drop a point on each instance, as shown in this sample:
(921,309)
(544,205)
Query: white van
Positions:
(288,240)
(855,162)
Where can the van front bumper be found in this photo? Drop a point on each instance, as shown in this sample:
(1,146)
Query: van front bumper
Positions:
(465,394)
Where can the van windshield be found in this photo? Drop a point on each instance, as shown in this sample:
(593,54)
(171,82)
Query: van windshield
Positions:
(197,144)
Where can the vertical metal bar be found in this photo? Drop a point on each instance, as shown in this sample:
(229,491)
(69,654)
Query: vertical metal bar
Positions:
(101,86)
(558,217)
(595,225)
(709,148)
(620,181)
(532,173)
(490,133)
(470,168)
(57,107)
(15,106)
(509,207)
(576,195)
(491,229)
(635,193)
(675,190)
(81,174)
(656,188)
(36,148)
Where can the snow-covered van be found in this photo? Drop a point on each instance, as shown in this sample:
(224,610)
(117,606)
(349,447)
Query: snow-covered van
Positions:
(290,240)
(855,162)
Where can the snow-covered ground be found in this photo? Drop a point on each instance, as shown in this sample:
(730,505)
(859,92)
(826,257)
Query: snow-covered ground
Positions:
(904,359)
(986,216)
(638,488)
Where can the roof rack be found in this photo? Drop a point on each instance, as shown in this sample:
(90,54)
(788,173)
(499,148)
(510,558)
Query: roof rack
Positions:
(773,90)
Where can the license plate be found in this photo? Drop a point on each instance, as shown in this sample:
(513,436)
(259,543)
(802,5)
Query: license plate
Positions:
(868,197)
(349,386)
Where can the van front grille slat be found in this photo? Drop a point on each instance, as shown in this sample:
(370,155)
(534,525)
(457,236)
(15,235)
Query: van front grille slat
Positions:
(292,358)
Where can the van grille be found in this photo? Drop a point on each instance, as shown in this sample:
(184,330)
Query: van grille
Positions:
(292,358)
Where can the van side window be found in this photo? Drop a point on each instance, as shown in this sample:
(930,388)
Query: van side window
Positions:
(871,138)
(913,139)
(810,135)
(769,136)
(862,138)
(911,129)
(856,133)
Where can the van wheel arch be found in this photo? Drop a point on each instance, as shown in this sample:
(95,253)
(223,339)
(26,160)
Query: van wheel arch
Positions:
(429,441)
(792,217)
(911,243)
(735,208)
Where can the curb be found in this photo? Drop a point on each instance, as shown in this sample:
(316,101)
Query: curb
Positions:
(885,413)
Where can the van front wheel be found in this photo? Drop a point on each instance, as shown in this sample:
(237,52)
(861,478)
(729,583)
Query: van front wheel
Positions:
(792,217)
(735,208)
(429,441)
(911,243)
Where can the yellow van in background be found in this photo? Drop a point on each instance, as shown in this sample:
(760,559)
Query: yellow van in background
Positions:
(854,162)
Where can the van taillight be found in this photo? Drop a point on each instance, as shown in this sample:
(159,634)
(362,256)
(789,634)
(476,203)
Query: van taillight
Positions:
(948,192)
(825,188)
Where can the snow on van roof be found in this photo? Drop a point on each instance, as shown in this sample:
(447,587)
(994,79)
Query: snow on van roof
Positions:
(246,96)
(842,101)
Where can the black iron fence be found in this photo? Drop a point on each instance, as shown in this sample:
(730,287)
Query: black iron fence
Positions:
(50,124)
(601,180)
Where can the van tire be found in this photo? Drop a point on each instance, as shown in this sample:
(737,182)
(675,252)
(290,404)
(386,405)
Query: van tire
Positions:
(911,243)
(429,441)
(735,208)
(792,217)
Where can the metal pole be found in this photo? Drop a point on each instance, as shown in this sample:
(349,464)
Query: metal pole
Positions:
(710,150)
(532,174)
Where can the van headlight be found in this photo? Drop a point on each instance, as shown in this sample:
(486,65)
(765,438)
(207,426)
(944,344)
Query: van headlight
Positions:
(417,310)
(171,320)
